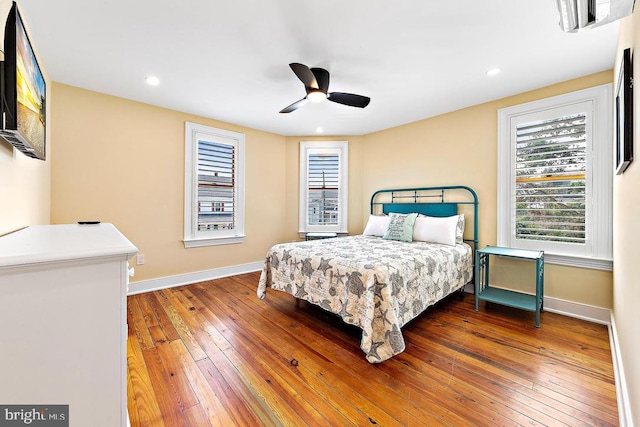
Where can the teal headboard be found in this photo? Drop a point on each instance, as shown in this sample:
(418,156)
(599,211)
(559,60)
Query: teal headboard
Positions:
(432,201)
(429,209)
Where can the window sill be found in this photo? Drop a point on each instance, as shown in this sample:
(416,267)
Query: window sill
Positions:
(303,234)
(212,241)
(578,261)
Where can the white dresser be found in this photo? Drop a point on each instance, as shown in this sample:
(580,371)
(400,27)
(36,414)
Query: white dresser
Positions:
(63,320)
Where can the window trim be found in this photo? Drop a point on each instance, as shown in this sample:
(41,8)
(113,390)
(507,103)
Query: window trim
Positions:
(192,236)
(309,147)
(600,153)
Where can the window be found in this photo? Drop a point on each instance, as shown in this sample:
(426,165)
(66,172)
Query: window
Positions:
(555,178)
(214,186)
(323,186)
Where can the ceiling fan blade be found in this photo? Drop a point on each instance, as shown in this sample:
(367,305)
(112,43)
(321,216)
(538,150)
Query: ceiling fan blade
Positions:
(349,99)
(305,75)
(322,77)
(295,105)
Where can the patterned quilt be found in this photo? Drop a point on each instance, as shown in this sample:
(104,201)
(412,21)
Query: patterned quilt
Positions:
(378,285)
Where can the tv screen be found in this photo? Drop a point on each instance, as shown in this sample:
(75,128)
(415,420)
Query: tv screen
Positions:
(23,91)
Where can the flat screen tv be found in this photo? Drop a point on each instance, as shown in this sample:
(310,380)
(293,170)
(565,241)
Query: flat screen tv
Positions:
(23,120)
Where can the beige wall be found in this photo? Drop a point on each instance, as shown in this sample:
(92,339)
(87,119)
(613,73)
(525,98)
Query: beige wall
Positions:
(122,162)
(460,148)
(626,235)
(24,182)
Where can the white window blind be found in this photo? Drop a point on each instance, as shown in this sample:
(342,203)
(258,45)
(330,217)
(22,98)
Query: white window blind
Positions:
(323,186)
(323,180)
(550,184)
(555,177)
(214,186)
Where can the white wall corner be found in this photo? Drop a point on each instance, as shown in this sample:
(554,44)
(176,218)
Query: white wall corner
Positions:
(625,417)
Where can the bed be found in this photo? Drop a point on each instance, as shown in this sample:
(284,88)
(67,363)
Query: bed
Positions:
(384,278)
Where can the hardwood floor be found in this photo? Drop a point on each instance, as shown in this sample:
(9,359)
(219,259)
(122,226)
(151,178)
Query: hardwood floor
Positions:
(214,354)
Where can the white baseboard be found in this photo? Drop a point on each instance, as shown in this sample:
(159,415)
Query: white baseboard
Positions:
(569,308)
(188,278)
(554,305)
(580,311)
(625,417)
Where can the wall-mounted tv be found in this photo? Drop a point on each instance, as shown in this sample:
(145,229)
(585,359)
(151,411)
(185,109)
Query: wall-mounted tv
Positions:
(23,112)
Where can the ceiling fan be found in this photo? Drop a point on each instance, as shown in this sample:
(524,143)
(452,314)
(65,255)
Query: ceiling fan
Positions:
(316,83)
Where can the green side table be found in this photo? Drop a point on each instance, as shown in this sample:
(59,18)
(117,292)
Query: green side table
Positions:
(515,299)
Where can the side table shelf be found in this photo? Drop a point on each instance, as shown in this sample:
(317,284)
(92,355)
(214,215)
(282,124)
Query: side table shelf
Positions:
(483,291)
(319,235)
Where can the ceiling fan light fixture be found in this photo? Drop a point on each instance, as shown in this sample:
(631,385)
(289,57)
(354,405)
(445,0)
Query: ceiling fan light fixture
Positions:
(316,96)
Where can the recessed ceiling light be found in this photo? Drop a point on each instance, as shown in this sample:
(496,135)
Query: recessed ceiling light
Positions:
(493,71)
(319,130)
(152,80)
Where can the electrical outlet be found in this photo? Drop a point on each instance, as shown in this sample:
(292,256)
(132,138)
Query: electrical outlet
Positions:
(139,259)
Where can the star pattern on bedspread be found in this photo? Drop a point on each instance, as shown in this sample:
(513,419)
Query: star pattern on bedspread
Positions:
(373,350)
(384,317)
(338,276)
(324,265)
(346,316)
(286,255)
(379,287)
(301,292)
(376,284)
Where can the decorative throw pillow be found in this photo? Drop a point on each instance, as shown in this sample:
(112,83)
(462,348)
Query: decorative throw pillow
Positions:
(436,229)
(377,225)
(400,227)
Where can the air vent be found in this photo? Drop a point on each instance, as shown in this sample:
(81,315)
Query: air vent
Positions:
(576,15)
(15,139)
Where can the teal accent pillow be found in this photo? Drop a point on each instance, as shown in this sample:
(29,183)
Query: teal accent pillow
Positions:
(400,227)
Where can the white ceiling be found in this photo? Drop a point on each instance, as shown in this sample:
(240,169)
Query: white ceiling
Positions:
(228,60)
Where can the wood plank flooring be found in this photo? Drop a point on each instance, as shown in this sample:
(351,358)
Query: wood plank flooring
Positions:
(214,354)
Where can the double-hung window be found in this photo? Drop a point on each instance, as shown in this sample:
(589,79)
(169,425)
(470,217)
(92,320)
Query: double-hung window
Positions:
(214,186)
(323,186)
(555,178)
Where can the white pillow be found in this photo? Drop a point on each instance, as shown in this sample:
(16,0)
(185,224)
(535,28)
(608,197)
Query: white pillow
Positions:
(377,225)
(436,229)
(460,230)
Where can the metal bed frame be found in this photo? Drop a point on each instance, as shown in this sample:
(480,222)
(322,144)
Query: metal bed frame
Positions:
(430,201)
